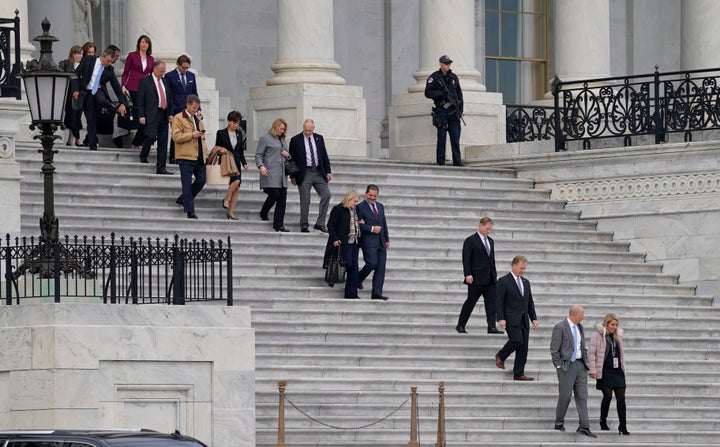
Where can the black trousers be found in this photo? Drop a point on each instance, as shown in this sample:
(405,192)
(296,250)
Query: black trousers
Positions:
(518,339)
(277,197)
(92,106)
(474,292)
(157,129)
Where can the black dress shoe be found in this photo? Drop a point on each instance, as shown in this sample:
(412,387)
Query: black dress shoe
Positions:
(282,230)
(192,216)
(304,230)
(223,204)
(179,201)
(461,330)
(352,297)
(163,171)
(379,297)
(494,330)
(321,228)
(143,160)
(264,218)
(360,287)
(559,427)
(586,432)
(118,142)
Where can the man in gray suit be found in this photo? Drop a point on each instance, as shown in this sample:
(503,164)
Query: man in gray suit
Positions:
(567,348)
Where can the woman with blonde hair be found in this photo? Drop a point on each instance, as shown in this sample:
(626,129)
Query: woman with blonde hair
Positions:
(344,232)
(606,361)
(270,159)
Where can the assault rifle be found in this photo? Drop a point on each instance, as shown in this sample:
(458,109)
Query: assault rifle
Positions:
(452,99)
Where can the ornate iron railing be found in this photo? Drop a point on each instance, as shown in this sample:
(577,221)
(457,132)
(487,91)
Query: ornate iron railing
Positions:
(654,104)
(10,63)
(138,271)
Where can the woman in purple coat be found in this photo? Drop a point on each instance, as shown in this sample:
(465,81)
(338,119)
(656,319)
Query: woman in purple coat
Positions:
(139,63)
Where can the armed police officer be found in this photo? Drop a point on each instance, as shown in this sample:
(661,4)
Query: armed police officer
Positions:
(443,87)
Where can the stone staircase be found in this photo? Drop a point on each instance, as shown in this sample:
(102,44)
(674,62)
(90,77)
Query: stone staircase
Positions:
(349,363)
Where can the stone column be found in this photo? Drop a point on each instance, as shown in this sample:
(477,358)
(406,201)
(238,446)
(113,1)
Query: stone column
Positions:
(7,11)
(700,46)
(165,22)
(306,83)
(582,39)
(446,27)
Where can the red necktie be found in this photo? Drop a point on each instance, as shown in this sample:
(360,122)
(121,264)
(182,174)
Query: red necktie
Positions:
(375,212)
(163,101)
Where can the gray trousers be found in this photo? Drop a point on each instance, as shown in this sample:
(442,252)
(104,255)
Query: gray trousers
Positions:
(313,179)
(573,381)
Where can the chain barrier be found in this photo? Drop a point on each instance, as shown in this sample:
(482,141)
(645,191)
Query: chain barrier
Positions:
(345,428)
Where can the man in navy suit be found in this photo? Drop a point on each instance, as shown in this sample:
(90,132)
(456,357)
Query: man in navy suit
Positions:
(92,75)
(308,150)
(478,257)
(375,241)
(515,311)
(154,105)
(182,83)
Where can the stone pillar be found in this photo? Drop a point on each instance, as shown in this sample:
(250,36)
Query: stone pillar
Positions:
(700,46)
(306,83)
(165,22)
(7,11)
(582,39)
(446,27)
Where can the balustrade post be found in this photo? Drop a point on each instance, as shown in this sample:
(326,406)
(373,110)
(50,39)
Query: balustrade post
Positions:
(8,273)
(559,140)
(281,414)
(659,112)
(441,416)
(413,418)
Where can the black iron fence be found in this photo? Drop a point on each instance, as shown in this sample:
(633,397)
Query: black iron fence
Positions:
(10,60)
(138,271)
(654,104)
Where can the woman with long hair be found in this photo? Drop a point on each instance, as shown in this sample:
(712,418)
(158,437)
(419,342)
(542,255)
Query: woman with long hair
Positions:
(344,232)
(270,159)
(139,63)
(72,115)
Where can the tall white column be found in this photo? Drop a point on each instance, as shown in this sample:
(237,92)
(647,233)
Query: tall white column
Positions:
(305,44)
(164,21)
(448,27)
(7,11)
(582,39)
(306,83)
(700,45)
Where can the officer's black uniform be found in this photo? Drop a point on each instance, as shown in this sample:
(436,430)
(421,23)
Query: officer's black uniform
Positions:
(446,118)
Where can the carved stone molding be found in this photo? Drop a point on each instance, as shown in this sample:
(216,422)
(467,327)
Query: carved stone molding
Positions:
(639,188)
(7,147)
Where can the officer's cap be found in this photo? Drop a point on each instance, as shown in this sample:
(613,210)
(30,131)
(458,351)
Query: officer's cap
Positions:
(445,59)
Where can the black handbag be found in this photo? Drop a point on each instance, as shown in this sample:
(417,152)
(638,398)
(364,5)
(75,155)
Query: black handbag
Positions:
(335,273)
(130,120)
(291,168)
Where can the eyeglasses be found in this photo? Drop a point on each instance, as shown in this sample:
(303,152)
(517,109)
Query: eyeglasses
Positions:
(185,67)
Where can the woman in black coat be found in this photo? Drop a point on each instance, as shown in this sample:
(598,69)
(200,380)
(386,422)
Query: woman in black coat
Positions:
(344,232)
(233,140)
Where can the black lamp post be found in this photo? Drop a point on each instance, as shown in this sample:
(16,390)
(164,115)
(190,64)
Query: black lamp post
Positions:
(46,87)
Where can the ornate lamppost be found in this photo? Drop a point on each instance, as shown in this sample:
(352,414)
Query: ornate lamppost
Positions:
(46,87)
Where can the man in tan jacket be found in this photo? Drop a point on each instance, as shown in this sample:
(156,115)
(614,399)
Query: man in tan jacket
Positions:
(188,133)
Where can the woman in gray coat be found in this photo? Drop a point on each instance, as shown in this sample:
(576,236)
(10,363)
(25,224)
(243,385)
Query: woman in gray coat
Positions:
(270,159)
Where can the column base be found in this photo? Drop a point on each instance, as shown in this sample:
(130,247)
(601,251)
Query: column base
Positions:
(338,111)
(413,137)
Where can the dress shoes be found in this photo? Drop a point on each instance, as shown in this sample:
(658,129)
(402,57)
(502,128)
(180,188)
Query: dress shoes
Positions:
(304,229)
(499,363)
(118,142)
(163,171)
(231,217)
(494,330)
(143,160)
(264,218)
(360,287)
(379,297)
(352,297)
(192,216)
(282,230)
(321,228)
(524,378)
(559,427)
(460,330)
(586,432)
(223,204)
(179,201)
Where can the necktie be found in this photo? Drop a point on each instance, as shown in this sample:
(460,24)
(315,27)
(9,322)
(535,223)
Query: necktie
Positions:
(520,287)
(575,343)
(182,78)
(486,243)
(312,153)
(96,83)
(163,100)
(197,127)
(375,212)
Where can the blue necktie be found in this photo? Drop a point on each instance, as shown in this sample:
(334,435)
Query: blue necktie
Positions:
(575,343)
(96,84)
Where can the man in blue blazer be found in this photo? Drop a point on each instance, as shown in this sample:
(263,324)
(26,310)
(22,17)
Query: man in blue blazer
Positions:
(308,150)
(182,83)
(374,242)
(154,105)
(515,310)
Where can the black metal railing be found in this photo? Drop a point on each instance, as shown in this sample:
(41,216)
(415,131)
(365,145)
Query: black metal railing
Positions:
(653,104)
(138,271)
(10,65)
